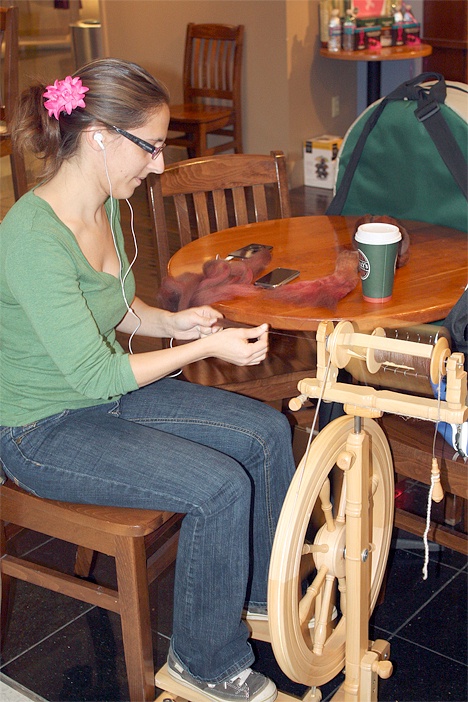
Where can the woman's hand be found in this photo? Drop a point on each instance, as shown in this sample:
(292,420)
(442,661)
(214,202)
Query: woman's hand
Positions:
(200,325)
(241,347)
(194,323)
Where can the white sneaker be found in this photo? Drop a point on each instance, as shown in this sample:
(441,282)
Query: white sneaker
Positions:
(247,686)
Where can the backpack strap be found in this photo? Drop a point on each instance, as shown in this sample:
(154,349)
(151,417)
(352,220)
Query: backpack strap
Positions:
(336,205)
(428,112)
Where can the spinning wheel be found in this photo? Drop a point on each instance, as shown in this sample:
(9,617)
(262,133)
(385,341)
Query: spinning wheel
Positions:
(333,535)
(308,590)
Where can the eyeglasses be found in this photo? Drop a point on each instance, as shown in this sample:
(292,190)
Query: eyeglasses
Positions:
(145,145)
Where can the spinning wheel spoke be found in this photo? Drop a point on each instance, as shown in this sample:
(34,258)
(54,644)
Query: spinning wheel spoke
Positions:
(307,585)
(340,517)
(342,590)
(327,508)
(308,601)
(324,616)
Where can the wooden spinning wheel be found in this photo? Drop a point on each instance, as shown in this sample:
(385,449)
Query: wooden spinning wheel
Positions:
(333,535)
(308,622)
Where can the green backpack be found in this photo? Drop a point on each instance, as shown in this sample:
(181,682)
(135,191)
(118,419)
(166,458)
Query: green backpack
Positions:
(406,156)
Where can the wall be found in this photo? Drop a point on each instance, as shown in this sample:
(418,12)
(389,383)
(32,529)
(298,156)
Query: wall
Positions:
(287,85)
(312,83)
(89,9)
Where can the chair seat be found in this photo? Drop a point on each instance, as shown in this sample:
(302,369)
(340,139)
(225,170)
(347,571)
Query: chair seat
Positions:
(195,114)
(50,516)
(6,148)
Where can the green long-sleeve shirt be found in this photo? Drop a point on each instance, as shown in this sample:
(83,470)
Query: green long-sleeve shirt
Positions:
(58,316)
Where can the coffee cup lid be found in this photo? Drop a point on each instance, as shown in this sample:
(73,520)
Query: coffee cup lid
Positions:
(377,233)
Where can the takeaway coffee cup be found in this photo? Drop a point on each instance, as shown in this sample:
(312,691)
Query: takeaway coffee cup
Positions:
(378,248)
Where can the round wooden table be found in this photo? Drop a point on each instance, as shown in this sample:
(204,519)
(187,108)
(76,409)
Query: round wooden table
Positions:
(424,290)
(374,61)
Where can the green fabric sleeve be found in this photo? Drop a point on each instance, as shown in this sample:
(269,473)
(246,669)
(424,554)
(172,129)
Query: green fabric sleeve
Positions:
(59,317)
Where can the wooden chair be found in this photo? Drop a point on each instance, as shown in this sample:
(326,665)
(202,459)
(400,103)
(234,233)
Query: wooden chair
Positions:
(411,443)
(9,42)
(211,194)
(212,90)
(142,542)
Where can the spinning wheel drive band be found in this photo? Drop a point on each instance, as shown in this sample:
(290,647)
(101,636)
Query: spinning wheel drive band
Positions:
(308,631)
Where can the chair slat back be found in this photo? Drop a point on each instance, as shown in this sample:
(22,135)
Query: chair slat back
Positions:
(212,63)
(9,77)
(215,193)
(9,95)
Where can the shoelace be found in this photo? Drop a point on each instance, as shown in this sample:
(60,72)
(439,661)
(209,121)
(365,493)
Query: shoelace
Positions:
(241,677)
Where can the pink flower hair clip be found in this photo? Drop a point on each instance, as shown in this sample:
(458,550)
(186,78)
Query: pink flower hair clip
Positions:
(64,96)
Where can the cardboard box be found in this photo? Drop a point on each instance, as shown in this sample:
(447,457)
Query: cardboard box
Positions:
(367,38)
(386,24)
(386,36)
(398,37)
(412,32)
(320,160)
(406,33)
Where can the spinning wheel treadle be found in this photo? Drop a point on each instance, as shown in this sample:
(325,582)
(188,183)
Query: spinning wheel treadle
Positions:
(313,521)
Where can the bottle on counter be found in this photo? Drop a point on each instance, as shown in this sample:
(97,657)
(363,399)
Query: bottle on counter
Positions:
(334,31)
(349,26)
(398,13)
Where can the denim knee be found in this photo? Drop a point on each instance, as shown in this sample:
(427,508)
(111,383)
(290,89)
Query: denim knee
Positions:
(235,489)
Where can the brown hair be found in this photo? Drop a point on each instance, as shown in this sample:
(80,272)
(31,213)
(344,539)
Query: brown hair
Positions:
(120,93)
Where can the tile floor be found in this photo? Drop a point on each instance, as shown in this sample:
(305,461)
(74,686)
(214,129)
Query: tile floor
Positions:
(60,649)
(10,691)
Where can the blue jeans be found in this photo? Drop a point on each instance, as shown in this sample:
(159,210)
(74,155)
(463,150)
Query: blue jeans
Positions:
(223,460)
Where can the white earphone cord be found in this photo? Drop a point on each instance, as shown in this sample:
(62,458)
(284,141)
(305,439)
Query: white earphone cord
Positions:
(122,278)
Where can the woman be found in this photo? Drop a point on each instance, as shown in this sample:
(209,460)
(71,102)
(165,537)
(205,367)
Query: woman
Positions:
(84,421)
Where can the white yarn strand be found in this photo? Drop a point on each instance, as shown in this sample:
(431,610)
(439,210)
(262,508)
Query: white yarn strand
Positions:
(312,429)
(431,490)
(428,524)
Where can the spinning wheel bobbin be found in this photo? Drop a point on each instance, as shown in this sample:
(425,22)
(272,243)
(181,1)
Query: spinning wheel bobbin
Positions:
(378,350)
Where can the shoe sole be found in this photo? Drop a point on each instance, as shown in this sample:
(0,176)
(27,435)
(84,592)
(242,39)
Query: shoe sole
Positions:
(255,616)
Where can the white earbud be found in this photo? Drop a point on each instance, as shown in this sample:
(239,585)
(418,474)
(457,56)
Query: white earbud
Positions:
(100,139)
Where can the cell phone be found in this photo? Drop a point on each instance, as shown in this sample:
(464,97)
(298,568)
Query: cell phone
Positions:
(277,277)
(248,251)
